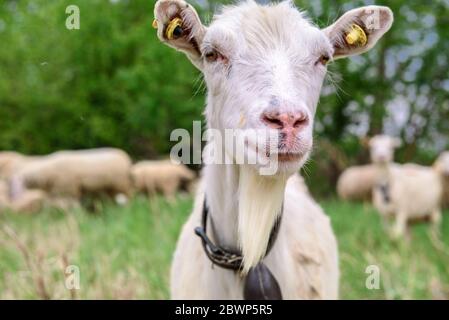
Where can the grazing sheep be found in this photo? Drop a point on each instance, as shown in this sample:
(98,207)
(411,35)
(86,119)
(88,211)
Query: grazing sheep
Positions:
(73,174)
(12,162)
(161,176)
(29,201)
(356,183)
(442,166)
(264,66)
(406,192)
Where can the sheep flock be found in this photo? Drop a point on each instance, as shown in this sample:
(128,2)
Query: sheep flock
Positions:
(63,179)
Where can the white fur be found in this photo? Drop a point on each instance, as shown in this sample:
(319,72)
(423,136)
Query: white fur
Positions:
(12,162)
(257,212)
(28,201)
(356,183)
(160,176)
(382,148)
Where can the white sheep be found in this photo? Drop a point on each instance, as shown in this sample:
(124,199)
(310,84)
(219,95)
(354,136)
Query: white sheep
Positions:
(442,166)
(406,192)
(161,176)
(11,162)
(356,183)
(29,201)
(264,66)
(73,174)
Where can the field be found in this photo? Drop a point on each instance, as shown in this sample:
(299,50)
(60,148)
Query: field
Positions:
(125,253)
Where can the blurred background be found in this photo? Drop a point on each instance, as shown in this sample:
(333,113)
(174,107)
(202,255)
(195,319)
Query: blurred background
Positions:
(111,83)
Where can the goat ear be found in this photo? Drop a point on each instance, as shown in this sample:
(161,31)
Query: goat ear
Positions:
(179,26)
(358,30)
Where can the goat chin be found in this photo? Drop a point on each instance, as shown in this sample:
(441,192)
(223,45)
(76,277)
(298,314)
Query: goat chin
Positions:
(260,202)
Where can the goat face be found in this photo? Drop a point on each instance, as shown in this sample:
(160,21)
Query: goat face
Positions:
(382,148)
(264,67)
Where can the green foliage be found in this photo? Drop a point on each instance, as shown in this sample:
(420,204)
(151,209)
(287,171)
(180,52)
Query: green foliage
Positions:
(109,83)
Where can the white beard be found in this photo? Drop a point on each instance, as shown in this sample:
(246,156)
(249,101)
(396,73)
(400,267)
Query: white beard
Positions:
(260,202)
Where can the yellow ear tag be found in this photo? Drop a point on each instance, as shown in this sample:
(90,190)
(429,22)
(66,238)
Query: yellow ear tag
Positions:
(154,24)
(174,29)
(356,36)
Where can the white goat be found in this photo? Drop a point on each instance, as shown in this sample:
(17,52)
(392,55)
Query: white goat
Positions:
(406,192)
(264,67)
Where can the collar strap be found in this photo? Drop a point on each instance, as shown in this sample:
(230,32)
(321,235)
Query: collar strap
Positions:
(385,190)
(226,258)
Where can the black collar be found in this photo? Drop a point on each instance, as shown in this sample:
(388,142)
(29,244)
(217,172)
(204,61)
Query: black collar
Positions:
(225,258)
(385,191)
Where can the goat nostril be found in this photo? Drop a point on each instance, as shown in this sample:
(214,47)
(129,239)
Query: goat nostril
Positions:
(285,120)
(273,122)
(301,121)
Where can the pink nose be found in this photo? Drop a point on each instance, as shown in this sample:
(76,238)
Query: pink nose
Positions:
(286,121)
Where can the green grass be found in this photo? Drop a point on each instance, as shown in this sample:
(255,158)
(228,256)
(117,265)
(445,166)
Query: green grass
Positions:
(125,252)
(416,268)
(121,252)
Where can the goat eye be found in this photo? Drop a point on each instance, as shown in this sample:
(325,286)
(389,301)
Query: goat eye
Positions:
(211,56)
(324,59)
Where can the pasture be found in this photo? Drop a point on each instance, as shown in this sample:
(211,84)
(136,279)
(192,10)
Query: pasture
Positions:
(125,252)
